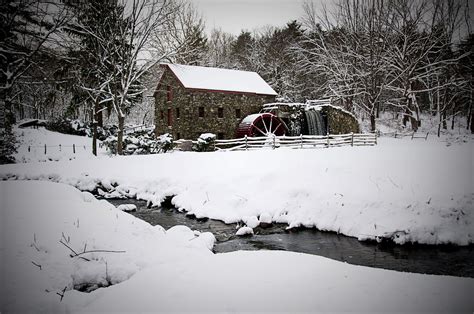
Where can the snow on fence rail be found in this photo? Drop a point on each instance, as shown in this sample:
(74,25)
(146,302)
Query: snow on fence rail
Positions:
(404,134)
(59,148)
(301,141)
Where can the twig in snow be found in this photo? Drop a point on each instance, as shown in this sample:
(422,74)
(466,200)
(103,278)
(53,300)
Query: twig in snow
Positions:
(97,251)
(393,182)
(62,293)
(74,252)
(64,237)
(37,265)
(106,272)
(34,243)
(429,201)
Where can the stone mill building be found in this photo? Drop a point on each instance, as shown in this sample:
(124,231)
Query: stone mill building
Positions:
(191,100)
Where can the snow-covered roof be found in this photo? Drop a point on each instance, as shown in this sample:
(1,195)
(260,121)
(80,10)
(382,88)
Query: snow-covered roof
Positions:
(216,79)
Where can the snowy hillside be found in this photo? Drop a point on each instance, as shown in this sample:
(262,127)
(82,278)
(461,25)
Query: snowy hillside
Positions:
(403,190)
(31,146)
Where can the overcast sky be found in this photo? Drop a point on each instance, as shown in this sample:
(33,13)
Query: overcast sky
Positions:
(234,15)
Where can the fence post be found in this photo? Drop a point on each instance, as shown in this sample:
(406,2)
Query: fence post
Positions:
(427,136)
(45,149)
(29,148)
(301,139)
(246,146)
(375,138)
(274,139)
(328,139)
(413,135)
(59,147)
(352,138)
(73,148)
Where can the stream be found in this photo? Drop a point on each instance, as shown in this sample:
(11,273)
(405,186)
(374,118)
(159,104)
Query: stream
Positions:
(428,259)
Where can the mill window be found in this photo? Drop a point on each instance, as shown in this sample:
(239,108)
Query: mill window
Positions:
(169,93)
(238,113)
(162,115)
(220,112)
(170,117)
(201,112)
(220,136)
(177,113)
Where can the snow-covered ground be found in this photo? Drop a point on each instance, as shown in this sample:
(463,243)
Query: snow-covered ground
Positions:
(59,146)
(153,270)
(402,189)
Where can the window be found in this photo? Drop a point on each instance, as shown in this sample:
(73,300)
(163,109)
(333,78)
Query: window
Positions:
(238,113)
(220,112)
(169,93)
(177,113)
(178,136)
(162,115)
(220,136)
(201,112)
(170,117)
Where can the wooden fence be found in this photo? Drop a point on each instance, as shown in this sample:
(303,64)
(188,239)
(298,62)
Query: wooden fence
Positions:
(301,141)
(57,148)
(404,134)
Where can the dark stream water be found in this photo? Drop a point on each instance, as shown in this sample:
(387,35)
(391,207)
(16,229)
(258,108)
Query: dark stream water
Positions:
(439,260)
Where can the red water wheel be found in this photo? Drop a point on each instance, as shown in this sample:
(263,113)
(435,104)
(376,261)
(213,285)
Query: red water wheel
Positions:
(261,124)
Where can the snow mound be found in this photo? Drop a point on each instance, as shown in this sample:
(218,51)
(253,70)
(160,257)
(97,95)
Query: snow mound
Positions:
(127,207)
(244,231)
(59,239)
(251,221)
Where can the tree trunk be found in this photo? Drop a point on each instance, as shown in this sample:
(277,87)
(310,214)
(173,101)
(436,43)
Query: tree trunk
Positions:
(452,119)
(94,127)
(9,116)
(100,117)
(372,122)
(472,121)
(120,135)
(469,114)
(445,126)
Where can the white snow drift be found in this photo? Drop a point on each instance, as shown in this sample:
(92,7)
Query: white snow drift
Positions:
(408,191)
(152,270)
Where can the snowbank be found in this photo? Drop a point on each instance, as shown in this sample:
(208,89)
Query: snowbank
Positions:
(407,191)
(56,238)
(58,146)
(157,271)
(284,282)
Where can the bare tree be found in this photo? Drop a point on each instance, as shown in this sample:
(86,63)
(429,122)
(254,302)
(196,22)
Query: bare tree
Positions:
(180,38)
(126,54)
(27,27)
(347,48)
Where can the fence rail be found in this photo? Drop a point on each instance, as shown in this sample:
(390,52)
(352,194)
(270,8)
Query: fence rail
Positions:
(301,141)
(57,148)
(404,134)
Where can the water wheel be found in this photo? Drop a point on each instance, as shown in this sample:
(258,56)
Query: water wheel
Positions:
(261,124)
